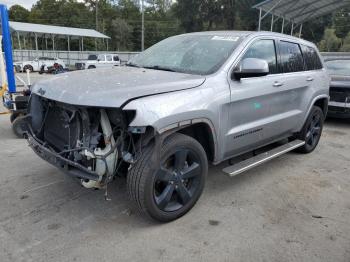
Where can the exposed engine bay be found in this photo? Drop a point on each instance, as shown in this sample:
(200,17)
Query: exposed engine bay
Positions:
(90,143)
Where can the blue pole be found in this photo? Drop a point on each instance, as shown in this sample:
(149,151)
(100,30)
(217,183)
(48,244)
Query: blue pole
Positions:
(7,48)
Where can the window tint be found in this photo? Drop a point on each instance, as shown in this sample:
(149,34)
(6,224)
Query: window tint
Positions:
(115,58)
(109,58)
(312,60)
(291,57)
(265,50)
(92,57)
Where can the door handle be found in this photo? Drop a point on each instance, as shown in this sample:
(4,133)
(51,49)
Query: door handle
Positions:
(309,79)
(278,84)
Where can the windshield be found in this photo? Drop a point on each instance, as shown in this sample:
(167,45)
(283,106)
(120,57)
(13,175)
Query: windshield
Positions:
(339,67)
(192,54)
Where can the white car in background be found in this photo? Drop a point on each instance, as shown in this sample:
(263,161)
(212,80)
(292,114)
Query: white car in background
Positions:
(99,61)
(36,64)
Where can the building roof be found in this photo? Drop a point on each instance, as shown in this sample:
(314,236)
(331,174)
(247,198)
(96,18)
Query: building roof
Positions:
(54,30)
(300,11)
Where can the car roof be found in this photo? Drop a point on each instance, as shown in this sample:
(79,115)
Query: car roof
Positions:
(254,34)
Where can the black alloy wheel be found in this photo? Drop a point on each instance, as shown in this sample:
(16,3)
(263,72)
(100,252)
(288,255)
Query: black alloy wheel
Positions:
(177,181)
(167,191)
(312,130)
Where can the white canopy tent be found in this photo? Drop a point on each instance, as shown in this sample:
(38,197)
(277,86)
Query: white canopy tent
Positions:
(49,31)
(296,12)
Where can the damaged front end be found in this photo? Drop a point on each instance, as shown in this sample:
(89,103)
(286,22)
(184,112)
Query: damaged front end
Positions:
(90,143)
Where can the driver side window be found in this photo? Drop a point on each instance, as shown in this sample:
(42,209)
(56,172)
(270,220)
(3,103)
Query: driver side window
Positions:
(266,50)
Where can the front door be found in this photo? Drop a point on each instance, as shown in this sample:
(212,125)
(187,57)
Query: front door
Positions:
(256,103)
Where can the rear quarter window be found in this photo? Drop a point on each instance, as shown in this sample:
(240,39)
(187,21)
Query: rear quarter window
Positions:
(291,57)
(311,58)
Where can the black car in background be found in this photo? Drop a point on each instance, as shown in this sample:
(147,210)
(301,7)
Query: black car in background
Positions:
(339,104)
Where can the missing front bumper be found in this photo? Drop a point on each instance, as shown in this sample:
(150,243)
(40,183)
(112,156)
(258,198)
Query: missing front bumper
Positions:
(67,166)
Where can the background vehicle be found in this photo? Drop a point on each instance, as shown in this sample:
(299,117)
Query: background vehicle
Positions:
(186,101)
(339,104)
(99,61)
(35,65)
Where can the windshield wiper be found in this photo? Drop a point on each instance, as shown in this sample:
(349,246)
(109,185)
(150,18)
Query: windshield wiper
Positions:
(156,67)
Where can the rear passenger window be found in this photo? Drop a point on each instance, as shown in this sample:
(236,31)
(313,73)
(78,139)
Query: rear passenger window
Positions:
(291,57)
(311,58)
(265,50)
(109,58)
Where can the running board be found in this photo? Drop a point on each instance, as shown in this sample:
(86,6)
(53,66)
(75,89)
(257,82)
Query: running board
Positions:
(262,158)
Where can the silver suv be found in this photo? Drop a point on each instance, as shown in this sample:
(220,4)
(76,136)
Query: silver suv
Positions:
(187,101)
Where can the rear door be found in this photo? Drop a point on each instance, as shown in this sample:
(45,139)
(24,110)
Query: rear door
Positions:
(296,88)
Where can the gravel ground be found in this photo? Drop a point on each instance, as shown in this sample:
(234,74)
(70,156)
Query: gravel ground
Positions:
(294,208)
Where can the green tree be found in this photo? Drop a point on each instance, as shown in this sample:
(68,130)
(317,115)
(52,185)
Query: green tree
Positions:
(341,22)
(330,42)
(121,33)
(18,13)
(346,44)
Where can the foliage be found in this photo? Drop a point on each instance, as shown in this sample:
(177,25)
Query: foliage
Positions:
(18,13)
(346,44)
(121,20)
(330,41)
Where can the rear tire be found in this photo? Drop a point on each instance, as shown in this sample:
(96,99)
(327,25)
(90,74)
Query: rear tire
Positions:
(312,131)
(91,67)
(168,192)
(18,126)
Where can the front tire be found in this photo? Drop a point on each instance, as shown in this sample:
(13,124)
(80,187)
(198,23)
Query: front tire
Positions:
(312,131)
(168,192)
(28,67)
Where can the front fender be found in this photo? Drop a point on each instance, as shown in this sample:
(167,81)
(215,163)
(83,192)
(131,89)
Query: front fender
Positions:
(169,110)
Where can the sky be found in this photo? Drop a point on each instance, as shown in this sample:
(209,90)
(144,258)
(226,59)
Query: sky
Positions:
(25,3)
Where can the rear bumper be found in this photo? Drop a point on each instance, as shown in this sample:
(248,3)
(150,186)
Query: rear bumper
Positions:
(67,166)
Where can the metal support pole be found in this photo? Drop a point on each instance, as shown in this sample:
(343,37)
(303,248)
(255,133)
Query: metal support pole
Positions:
(300,30)
(272,21)
(143,27)
(292,30)
(95,44)
(53,43)
(82,44)
(107,44)
(68,50)
(7,48)
(260,13)
(282,26)
(36,42)
(19,41)
(46,42)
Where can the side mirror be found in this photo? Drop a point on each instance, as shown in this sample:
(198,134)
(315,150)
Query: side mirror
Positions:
(251,67)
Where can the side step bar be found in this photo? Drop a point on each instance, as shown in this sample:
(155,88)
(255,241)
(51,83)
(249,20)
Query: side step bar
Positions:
(262,158)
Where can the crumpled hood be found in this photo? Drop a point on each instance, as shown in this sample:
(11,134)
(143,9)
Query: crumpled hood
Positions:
(112,87)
